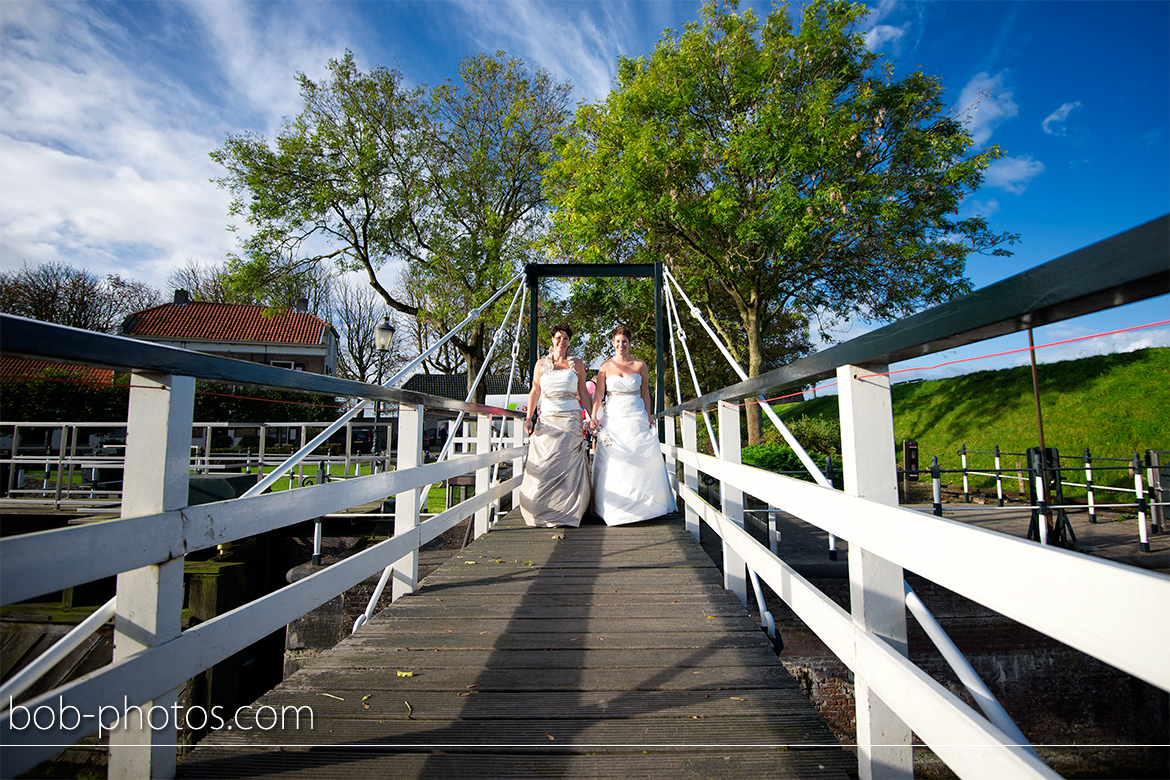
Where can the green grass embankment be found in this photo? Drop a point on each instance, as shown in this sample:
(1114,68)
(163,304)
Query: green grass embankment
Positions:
(1113,404)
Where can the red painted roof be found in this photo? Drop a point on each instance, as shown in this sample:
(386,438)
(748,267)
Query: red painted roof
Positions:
(21,368)
(227,322)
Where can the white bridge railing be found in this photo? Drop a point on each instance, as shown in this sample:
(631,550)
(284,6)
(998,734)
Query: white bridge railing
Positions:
(1111,611)
(145,548)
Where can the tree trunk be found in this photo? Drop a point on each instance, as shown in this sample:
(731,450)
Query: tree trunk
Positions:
(474,356)
(754,368)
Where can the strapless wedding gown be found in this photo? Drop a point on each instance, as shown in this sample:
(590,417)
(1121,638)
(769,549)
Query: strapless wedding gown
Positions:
(629,476)
(555,491)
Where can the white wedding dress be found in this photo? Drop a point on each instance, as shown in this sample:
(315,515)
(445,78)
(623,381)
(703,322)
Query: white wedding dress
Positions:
(629,476)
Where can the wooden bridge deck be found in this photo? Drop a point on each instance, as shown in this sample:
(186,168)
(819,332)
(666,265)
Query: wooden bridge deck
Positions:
(583,652)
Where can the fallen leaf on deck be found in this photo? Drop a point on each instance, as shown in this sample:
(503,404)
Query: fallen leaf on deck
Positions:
(736,698)
(331,696)
(409,711)
(550,736)
(405,674)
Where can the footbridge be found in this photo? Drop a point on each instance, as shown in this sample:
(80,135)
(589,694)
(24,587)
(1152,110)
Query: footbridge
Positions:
(589,652)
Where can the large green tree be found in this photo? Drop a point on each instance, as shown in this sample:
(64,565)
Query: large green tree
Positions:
(782,174)
(446,180)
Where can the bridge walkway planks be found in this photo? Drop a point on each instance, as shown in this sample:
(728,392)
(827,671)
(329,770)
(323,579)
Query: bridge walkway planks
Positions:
(547,653)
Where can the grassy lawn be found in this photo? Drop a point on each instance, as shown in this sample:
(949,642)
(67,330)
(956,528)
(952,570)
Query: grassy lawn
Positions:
(1113,404)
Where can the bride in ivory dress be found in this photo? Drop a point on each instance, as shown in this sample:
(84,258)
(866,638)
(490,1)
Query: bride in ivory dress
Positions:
(629,476)
(555,491)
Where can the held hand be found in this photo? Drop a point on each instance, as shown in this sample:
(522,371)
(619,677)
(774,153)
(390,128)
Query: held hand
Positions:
(528,425)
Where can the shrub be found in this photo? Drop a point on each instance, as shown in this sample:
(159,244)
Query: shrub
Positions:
(815,434)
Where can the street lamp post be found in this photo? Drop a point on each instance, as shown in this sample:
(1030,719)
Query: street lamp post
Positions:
(383,336)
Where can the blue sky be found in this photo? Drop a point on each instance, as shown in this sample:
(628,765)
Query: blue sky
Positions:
(108,112)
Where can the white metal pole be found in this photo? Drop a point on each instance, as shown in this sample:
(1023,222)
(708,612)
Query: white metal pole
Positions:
(998,478)
(1089,485)
(1143,531)
(964,671)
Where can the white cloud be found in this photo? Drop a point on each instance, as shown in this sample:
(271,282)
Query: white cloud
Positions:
(1013,173)
(881,34)
(566,39)
(1054,123)
(1102,345)
(105,161)
(978,208)
(984,104)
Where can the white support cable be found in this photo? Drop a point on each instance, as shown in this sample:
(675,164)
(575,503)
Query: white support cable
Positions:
(812,468)
(765,616)
(22,680)
(424,491)
(482,370)
(511,373)
(306,450)
(964,671)
(682,337)
(671,329)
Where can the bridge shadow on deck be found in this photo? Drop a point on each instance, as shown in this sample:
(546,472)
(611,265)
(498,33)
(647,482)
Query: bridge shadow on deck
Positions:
(550,653)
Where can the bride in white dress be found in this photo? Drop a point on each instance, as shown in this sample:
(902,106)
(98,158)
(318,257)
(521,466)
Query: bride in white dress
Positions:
(629,476)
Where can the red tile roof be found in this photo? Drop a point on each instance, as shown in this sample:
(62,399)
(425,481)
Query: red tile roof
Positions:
(226,322)
(21,368)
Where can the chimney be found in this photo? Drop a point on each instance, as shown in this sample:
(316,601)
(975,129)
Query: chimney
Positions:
(181,297)
(303,305)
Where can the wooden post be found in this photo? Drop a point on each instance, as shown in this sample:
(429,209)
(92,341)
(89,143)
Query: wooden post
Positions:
(734,568)
(406,505)
(876,588)
(690,438)
(150,599)
(483,476)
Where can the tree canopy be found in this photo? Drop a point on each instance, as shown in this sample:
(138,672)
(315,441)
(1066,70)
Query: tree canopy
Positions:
(446,180)
(58,292)
(782,174)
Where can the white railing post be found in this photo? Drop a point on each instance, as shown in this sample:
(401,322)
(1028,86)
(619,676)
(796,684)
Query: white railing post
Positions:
(150,599)
(876,589)
(483,476)
(734,567)
(672,462)
(690,438)
(517,463)
(406,505)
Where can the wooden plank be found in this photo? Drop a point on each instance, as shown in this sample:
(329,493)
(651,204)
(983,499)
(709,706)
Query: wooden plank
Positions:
(594,733)
(548,658)
(383,762)
(551,704)
(616,654)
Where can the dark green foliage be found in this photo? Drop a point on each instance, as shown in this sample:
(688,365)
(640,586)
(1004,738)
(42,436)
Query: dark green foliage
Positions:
(227,403)
(55,395)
